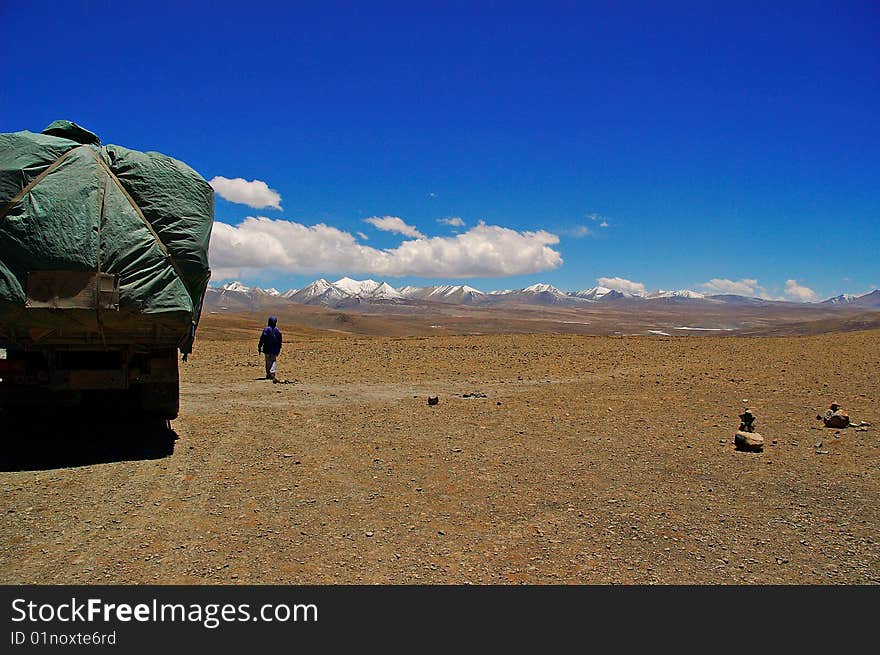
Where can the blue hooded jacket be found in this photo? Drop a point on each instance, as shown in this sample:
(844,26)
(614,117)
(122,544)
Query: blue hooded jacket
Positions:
(270,340)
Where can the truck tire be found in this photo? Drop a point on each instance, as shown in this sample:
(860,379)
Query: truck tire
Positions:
(160,400)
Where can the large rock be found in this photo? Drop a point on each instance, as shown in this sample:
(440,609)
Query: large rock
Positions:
(836,419)
(749,441)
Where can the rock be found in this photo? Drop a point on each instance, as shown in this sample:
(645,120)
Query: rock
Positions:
(748,421)
(433,400)
(836,419)
(749,441)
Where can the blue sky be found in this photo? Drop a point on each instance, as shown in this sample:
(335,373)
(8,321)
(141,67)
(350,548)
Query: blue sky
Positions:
(717,141)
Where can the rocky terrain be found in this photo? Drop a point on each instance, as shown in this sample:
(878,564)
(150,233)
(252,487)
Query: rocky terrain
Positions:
(549,458)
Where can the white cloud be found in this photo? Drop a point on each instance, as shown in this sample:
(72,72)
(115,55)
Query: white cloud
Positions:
(622,284)
(260,243)
(455,221)
(363,236)
(255,193)
(579,231)
(596,218)
(800,293)
(394,224)
(744,287)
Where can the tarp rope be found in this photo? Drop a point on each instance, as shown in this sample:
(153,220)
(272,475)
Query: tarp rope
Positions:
(21,194)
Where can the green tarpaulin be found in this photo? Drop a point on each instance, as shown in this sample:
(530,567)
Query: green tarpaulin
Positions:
(99,242)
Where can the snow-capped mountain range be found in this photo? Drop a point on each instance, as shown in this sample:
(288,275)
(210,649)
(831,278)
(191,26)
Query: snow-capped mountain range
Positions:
(347,292)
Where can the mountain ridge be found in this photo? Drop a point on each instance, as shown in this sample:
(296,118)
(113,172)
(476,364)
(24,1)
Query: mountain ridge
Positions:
(346,292)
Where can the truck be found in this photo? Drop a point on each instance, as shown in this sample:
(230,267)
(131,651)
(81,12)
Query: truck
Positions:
(103,272)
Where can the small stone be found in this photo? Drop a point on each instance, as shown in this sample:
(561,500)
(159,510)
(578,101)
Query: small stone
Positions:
(748,441)
(836,419)
(369,533)
(433,400)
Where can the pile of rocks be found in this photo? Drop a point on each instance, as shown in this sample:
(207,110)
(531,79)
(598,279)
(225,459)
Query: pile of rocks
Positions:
(835,417)
(746,438)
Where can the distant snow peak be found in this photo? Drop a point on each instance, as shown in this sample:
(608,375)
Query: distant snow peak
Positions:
(445,290)
(681,293)
(357,287)
(543,288)
(238,287)
(597,293)
(367,289)
(320,289)
(449,293)
(320,285)
(235,286)
(687,293)
(842,299)
(385,291)
(870,299)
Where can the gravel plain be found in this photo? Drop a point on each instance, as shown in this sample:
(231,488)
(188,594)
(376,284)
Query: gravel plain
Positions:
(576,459)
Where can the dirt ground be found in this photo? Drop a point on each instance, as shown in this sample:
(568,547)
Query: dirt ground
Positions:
(589,460)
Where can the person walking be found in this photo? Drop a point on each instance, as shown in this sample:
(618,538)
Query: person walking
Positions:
(270,346)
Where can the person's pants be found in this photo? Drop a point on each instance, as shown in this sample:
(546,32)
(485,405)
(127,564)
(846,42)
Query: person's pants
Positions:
(270,364)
